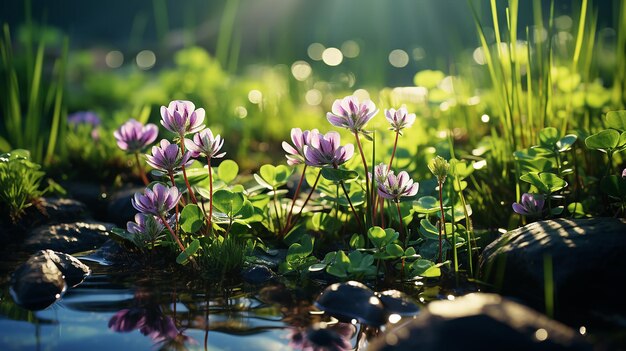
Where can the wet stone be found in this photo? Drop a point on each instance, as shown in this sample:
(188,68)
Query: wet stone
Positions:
(482,322)
(74,271)
(38,282)
(68,237)
(257,274)
(352,300)
(585,254)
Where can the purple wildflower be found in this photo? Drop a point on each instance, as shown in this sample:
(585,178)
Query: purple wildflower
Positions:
(624,173)
(394,187)
(295,153)
(168,158)
(399,119)
(350,114)
(157,201)
(205,144)
(146,225)
(530,205)
(181,117)
(380,173)
(83,117)
(133,136)
(326,151)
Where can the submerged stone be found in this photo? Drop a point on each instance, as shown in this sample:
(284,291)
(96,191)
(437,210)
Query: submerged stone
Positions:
(397,302)
(68,237)
(257,274)
(480,322)
(38,282)
(44,277)
(352,301)
(581,254)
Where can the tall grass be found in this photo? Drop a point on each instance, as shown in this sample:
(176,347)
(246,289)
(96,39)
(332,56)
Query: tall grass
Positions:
(33,110)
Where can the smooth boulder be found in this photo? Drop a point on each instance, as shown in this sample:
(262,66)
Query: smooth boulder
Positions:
(580,254)
(68,237)
(482,322)
(44,277)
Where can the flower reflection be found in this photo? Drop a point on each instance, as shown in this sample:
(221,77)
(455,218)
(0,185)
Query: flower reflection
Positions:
(322,337)
(151,322)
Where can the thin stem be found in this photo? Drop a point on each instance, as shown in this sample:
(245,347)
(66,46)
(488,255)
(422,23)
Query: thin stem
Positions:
(402,230)
(280,228)
(310,193)
(395,145)
(442,224)
(142,173)
(367,181)
(193,196)
(351,206)
(208,160)
(182,152)
(167,225)
(295,196)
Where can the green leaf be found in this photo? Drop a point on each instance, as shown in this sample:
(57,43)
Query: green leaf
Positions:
(338,264)
(381,237)
(604,141)
(273,177)
(460,169)
(300,250)
(183,257)
(228,202)
(338,175)
(546,182)
(428,230)
(228,170)
(566,142)
(616,119)
(123,234)
(426,205)
(548,137)
(614,186)
(577,210)
(357,241)
(394,250)
(191,218)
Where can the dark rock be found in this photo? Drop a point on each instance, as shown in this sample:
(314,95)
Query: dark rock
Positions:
(257,274)
(68,237)
(397,302)
(352,300)
(74,271)
(89,193)
(585,254)
(38,282)
(480,322)
(120,210)
(53,210)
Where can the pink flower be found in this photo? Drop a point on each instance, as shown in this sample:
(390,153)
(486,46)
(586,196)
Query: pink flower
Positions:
(168,157)
(326,151)
(530,205)
(394,187)
(133,136)
(204,143)
(182,118)
(295,153)
(399,119)
(350,114)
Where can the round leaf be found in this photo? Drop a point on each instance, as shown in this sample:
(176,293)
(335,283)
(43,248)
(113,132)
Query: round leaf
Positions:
(227,201)
(191,218)
(228,170)
(604,141)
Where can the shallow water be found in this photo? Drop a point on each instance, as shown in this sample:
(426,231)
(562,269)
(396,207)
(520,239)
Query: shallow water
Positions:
(115,310)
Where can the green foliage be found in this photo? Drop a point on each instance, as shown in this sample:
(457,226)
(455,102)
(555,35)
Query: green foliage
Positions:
(20,181)
(224,256)
(191,218)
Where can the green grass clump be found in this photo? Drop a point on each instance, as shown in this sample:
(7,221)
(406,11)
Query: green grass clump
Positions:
(20,181)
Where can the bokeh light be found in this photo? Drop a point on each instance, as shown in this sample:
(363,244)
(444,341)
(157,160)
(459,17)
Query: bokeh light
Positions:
(145,59)
(350,49)
(114,59)
(398,58)
(332,57)
(315,51)
(301,70)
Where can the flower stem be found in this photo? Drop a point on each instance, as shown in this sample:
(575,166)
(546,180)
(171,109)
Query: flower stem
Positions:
(367,181)
(142,173)
(210,218)
(182,152)
(351,206)
(402,230)
(295,196)
(308,197)
(442,224)
(393,153)
(180,244)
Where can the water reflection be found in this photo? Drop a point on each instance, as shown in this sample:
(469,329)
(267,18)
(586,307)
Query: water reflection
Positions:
(150,321)
(322,337)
